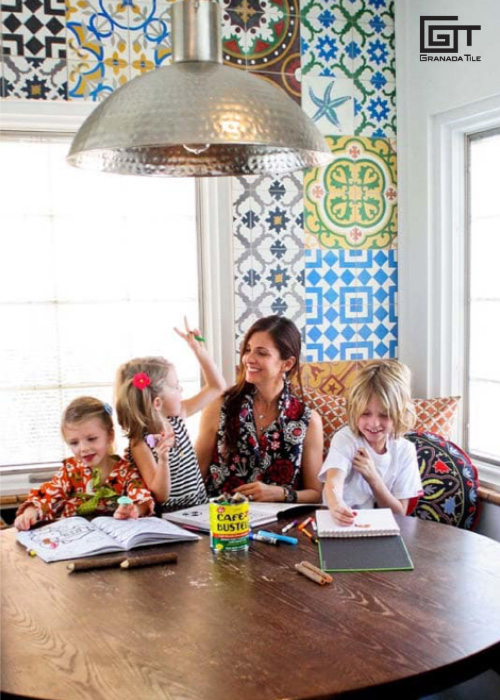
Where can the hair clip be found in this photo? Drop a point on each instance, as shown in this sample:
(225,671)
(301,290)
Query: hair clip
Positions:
(107,408)
(141,380)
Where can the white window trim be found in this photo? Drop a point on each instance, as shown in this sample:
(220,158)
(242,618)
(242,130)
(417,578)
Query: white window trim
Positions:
(443,301)
(214,197)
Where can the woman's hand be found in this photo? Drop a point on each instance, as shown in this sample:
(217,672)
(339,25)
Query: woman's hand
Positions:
(124,512)
(27,519)
(364,464)
(257,491)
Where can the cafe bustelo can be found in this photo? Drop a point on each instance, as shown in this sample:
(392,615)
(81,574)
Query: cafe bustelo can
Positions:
(229,525)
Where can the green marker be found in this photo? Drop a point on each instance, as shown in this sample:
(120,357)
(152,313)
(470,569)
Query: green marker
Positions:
(199,338)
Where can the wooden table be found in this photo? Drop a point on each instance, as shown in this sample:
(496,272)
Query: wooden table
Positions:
(247,626)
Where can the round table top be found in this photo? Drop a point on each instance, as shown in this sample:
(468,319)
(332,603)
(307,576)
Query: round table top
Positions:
(247,626)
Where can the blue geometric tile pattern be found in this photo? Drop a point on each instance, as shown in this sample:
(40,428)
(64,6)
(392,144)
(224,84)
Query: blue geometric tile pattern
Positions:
(351,304)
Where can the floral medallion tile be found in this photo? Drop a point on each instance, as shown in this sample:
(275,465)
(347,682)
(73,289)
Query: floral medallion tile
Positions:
(375,108)
(98,34)
(34,28)
(351,10)
(330,104)
(91,80)
(34,78)
(247,8)
(332,378)
(351,304)
(352,203)
(234,37)
(372,50)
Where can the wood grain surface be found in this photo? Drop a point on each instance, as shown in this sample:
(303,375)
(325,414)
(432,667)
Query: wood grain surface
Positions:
(248,626)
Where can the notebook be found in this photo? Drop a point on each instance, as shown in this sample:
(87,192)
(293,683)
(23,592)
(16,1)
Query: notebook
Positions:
(197,517)
(374,522)
(384,553)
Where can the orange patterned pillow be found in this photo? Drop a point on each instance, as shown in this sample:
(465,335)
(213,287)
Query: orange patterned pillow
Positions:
(332,410)
(436,415)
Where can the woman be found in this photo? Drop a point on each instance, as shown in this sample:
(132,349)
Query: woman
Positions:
(259,439)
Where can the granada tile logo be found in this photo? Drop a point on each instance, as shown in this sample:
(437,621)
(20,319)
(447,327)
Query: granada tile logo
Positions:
(438,35)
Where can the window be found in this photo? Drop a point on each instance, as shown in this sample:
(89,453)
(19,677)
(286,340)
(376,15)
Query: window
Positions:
(96,269)
(482,382)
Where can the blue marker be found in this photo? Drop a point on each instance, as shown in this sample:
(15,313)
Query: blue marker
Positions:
(264,538)
(280,538)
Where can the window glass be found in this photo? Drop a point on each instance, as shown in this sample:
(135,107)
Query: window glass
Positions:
(97,269)
(483,370)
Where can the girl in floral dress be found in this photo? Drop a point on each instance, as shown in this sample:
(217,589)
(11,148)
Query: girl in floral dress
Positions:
(90,482)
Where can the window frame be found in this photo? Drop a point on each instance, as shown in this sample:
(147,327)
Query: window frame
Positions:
(443,248)
(214,225)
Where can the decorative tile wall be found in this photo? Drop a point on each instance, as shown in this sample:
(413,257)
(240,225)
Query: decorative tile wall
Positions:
(318,246)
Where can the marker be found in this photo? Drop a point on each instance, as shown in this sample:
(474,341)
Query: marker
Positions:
(280,538)
(199,338)
(125,501)
(289,526)
(264,538)
(308,534)
(314,526)
(305,523)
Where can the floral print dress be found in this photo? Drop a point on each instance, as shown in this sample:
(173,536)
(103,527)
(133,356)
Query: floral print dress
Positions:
(274,458)
(74,482)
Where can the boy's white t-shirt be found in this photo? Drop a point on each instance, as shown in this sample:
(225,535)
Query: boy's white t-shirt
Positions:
(398,468)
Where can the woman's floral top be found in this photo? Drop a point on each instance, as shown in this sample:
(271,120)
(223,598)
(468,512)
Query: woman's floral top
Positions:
(274,458)
(73,484)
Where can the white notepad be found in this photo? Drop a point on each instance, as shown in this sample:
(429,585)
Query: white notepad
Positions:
(369,522)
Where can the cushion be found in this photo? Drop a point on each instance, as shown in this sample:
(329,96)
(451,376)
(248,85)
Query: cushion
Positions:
(449,482)
(332,410)
(436,415)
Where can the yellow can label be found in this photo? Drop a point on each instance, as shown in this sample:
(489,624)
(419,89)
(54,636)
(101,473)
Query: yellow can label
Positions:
(229,525)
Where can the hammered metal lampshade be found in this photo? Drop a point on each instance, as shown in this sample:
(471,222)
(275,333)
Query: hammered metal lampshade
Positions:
(198,117)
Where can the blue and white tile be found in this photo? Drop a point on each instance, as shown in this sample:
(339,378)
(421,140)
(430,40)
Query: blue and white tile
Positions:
(351,304)
(329,102)
(34,78)
(324,47)
(375,112)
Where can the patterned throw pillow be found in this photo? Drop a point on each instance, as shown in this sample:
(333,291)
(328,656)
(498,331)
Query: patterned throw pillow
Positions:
(332,410)
(449,482)
(436,415)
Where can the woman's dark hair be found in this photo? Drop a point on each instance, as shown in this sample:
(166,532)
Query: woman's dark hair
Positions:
(286,337)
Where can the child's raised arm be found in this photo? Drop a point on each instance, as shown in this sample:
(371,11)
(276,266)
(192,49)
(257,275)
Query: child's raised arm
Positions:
(215,383)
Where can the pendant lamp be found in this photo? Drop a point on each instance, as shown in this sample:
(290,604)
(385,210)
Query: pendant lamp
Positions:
(198,117)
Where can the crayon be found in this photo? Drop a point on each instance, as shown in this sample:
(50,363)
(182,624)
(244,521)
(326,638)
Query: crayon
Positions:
(280,538)
(317,570)
(199,338)
(264,538)
(288,527)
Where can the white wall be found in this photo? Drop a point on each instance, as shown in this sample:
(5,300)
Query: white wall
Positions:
(428,93)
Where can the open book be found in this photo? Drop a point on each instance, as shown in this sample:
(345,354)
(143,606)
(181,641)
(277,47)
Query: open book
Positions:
(75,537)
(368,523)
(197,517)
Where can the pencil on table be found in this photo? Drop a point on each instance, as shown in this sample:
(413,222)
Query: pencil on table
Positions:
(312,575)
(90,563)
(149,560)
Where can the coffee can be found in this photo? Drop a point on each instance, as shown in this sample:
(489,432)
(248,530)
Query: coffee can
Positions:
(229,524)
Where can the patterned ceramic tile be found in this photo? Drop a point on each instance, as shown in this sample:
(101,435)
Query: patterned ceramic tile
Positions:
(375,108)
(34,78)
(325,40)
(351,10)
(372,50)
(247,8)
(149,35)
(351,304)
(352,203)
(272,38)
(92,80)
(330,104)
(34,28)
(329,377)
(98,34)
(234,37)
